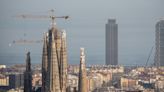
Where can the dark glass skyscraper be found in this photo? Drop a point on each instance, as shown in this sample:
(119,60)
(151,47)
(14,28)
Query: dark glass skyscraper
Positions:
(111,42)
(159,42)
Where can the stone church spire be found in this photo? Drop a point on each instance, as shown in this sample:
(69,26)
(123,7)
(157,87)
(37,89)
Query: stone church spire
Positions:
(82,86)
(28,75)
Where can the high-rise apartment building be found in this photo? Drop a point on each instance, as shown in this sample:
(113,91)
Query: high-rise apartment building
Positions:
(159,43)
(111,42)
(54,61)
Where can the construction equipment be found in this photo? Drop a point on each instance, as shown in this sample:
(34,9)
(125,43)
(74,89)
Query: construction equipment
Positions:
(149,56)
(23,41)
(24,16)
(52,17)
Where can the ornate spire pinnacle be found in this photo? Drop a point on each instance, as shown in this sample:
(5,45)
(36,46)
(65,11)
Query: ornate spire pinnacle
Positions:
(82,73)
(28,75)
(28,62)
(64,34)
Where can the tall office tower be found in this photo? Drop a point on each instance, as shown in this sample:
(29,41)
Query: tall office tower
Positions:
(54,61)
(159,42)
(28,75)
(111,42)
(82,85)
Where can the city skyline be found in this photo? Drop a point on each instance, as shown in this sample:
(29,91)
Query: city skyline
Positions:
(123,41)
(85,28)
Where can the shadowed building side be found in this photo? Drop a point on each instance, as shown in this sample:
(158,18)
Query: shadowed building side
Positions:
(44,63)
(53,73)
(28,75)
(82,85)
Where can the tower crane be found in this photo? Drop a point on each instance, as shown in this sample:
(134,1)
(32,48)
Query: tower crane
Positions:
(149,56)
(52,17)
(147,69)
(24,41)
(24,16)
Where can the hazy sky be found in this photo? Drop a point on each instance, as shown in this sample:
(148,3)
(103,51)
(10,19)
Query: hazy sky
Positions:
(136,21)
